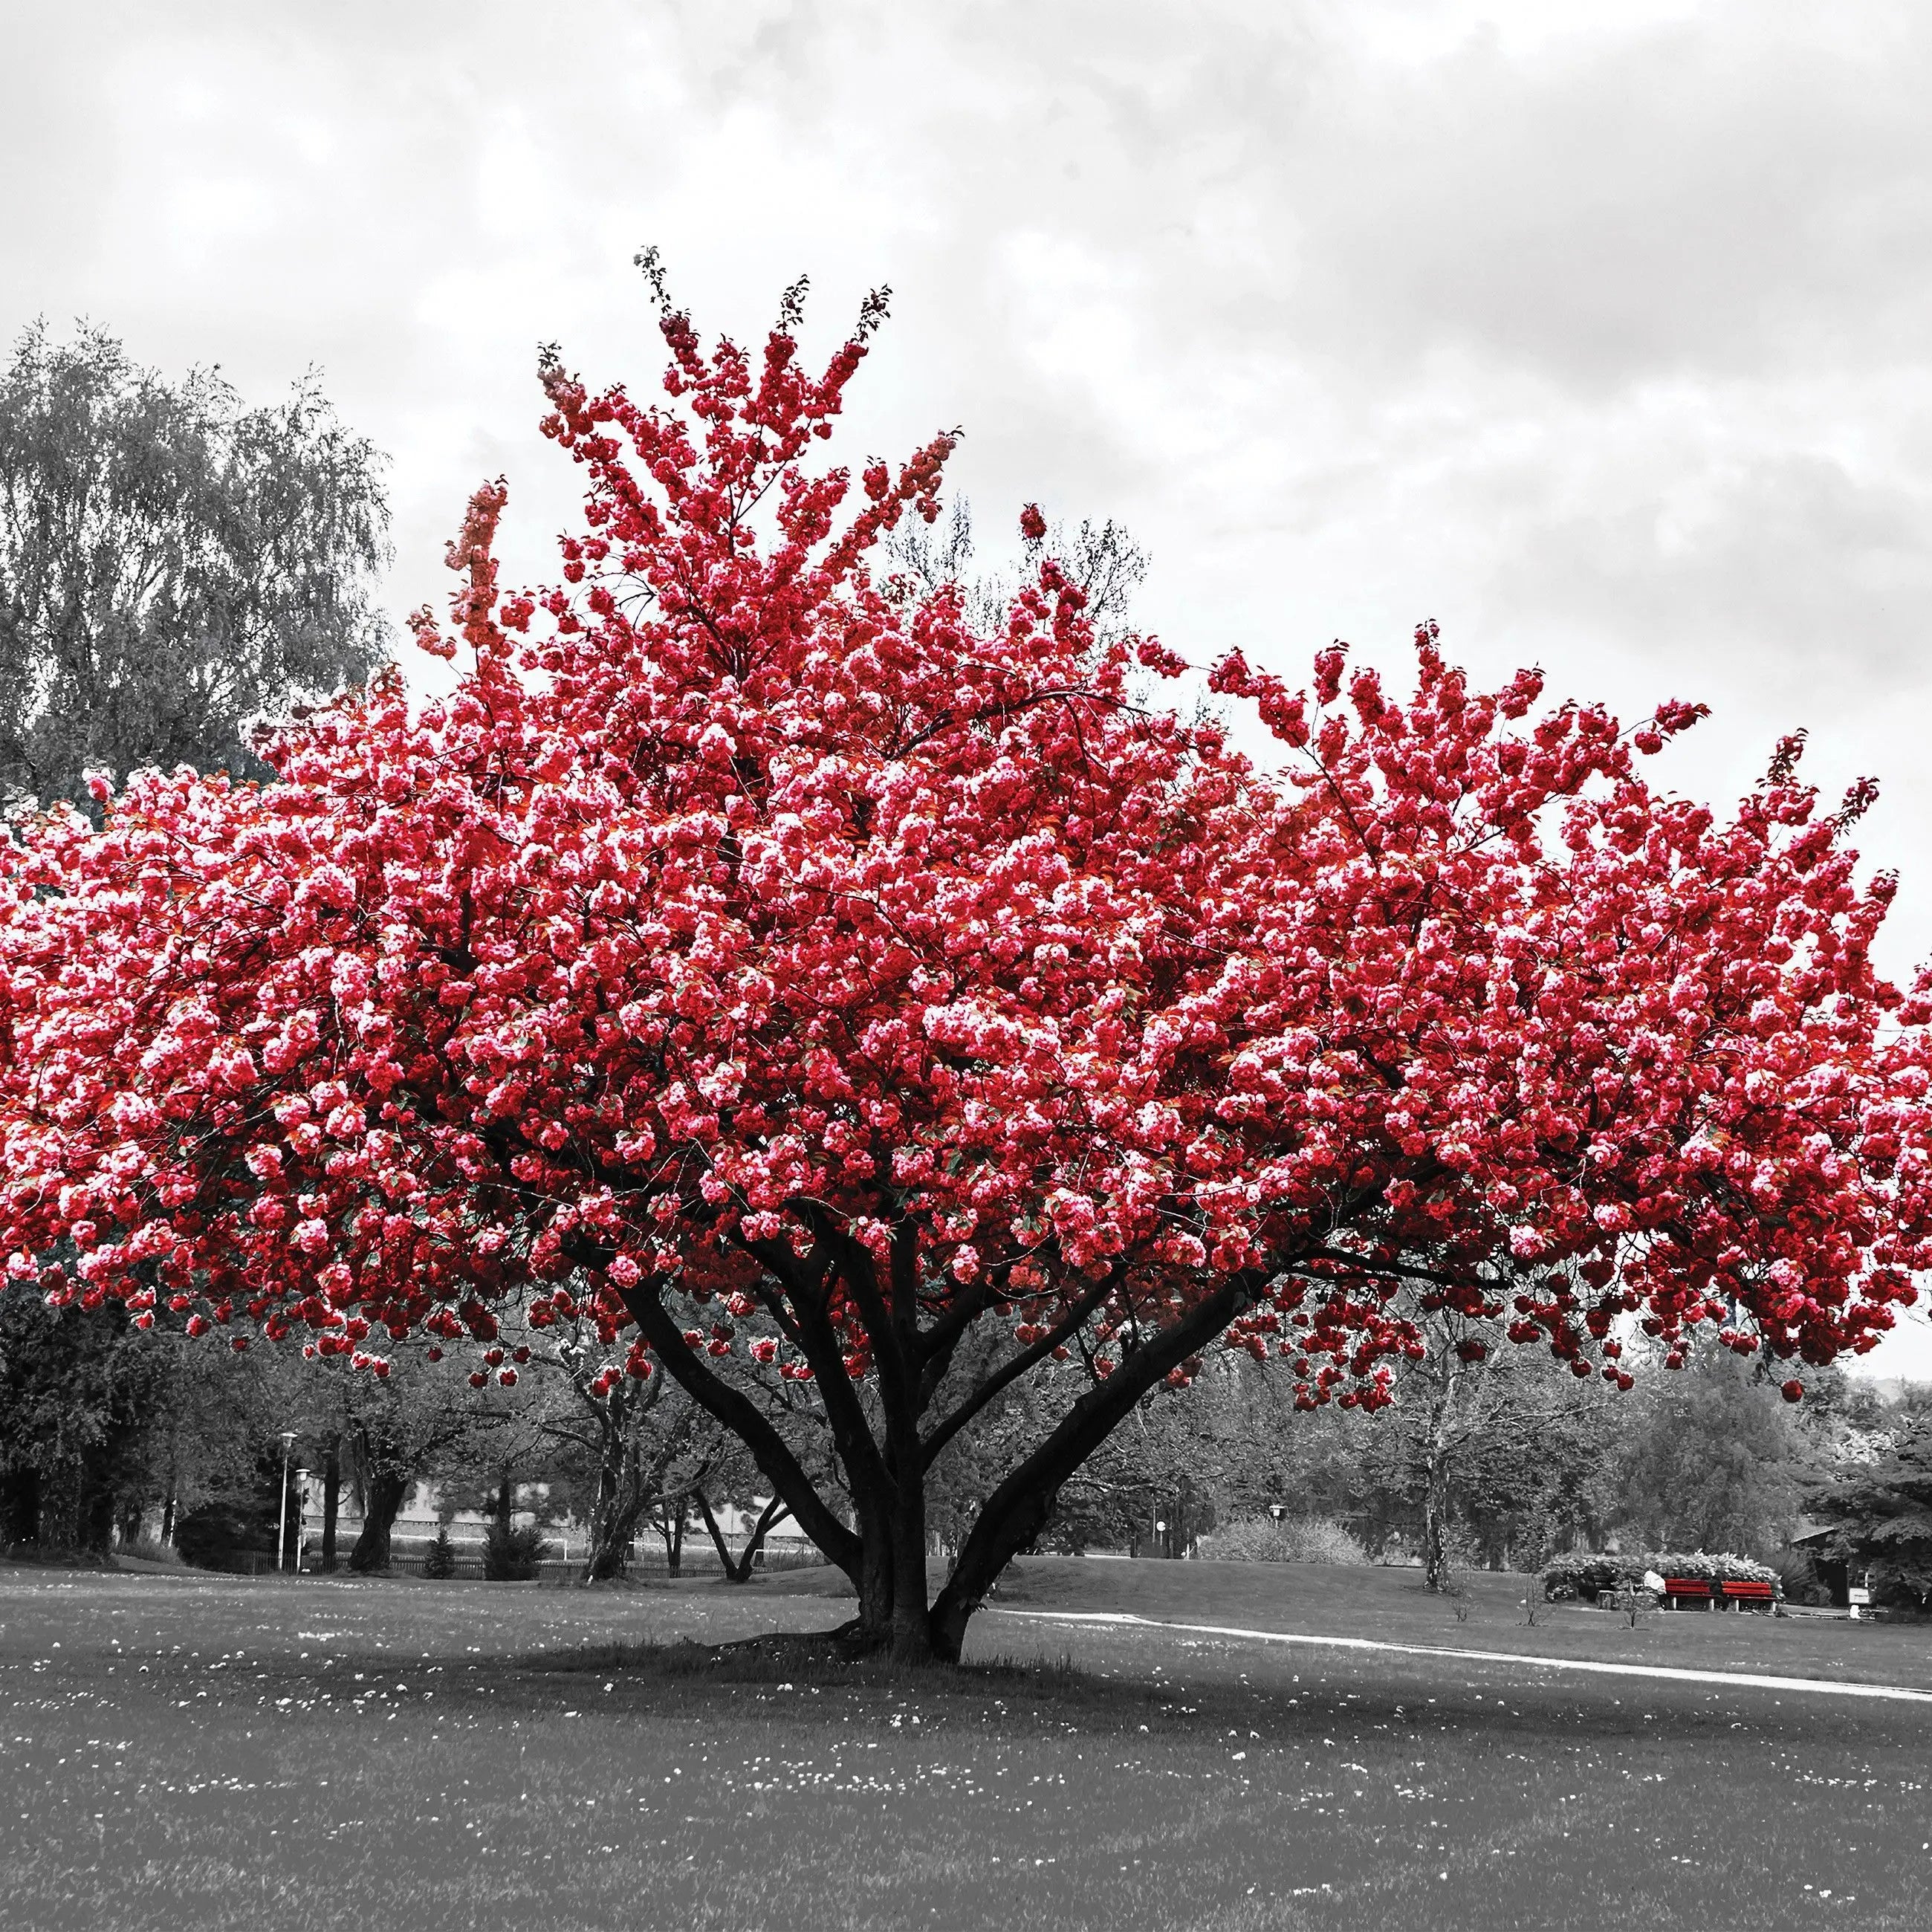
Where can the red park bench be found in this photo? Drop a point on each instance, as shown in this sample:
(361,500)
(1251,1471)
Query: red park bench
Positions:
(1755,1596)
(1679,1591)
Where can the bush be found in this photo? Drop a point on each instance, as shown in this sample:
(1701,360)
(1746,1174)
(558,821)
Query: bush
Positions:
(511,1555)
(1798,1577)
(224,1536)
(1303,1539)
(440,1559)
(1586,1573)
(148,1550)
(790,1559)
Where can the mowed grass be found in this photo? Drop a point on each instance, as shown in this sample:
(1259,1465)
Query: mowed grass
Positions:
(191,1752)
(1390,1606)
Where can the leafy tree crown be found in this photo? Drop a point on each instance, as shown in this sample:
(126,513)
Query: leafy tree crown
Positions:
(774,954)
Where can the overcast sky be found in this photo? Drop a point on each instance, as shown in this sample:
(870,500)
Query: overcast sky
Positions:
(1598,332)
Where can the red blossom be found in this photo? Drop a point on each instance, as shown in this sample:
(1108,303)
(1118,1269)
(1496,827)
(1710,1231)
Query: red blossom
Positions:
(744,931)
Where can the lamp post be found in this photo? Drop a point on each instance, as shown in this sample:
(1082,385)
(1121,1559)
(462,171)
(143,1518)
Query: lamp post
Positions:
(282,1528)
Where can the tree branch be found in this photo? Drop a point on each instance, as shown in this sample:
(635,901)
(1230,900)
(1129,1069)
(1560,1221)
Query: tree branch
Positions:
(1016,1511)
(1034,1352)
(742,1416)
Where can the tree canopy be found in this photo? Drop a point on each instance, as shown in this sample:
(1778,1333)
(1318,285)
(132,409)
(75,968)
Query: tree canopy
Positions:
(1881,1514)
(759,957)
(174,567)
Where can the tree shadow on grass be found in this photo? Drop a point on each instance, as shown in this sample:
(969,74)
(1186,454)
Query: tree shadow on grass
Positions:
(830,1660)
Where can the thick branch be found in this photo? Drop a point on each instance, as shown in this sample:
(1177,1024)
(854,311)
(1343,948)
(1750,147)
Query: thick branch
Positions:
(785,1269)
(1017,1511)
(1034,1353)
(742,1417)
(886,1333)
(966,1308)
(865,1468)
(724,1549)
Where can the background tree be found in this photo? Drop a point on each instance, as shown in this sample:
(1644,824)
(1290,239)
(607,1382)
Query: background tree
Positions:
(74,1386)
(1544,1483)
(419,1418)
(207,1419)
(624,1448)
(743,939)
(1710,1458)
(1164,1476)
(1881,1513)
(1478,1429)
(736,1482)
(629,1448)
(604,1450)
(1102,561)
(174,567)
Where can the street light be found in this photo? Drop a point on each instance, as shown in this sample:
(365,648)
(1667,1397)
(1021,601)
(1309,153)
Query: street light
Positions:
(282,1529)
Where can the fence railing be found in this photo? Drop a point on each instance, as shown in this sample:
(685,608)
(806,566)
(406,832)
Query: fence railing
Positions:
(699,1561)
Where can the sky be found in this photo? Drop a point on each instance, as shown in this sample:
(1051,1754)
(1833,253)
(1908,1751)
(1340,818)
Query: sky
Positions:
(1597,332)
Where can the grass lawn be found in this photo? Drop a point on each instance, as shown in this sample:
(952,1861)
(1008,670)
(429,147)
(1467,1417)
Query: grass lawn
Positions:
(194,1752)
(1391,1606)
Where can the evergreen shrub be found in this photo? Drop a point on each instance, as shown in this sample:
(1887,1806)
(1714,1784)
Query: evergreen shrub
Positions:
(511,1555)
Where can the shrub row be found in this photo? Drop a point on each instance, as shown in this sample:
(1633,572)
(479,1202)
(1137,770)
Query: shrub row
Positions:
(1306,1539)
(1586,1574)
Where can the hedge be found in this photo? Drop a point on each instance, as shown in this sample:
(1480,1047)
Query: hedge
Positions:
(1306,1539)
(1586,1574)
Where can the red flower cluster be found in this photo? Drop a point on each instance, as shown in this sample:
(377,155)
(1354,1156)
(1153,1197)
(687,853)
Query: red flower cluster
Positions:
(743,920)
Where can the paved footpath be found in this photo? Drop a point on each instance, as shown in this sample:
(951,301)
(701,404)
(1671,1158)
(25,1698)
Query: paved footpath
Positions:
(1823,1686)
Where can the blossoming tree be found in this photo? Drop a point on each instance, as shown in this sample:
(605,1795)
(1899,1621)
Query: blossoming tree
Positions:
(856,1007)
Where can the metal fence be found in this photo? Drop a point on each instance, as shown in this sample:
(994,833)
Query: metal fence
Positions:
(700,1561)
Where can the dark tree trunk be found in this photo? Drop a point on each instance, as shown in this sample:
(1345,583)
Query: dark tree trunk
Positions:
(1017,1511)
(738,1569)
(169,1507)
(331,1499)
(670,1533)
(97,1522)
(387,1489)
(94,1513)
(1435,1574)
(1435,1567)
(611,1540)
(622,1497)
(869,1479)
(20,1506)
(289,1518)
(875,1591)
(883,1552)
(912,1628)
